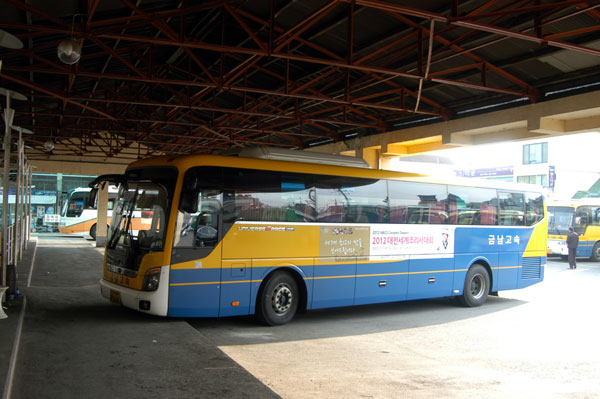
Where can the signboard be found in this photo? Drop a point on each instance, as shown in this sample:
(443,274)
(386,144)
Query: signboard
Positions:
(379,242)
(50,218)
(551,176)
(487,172)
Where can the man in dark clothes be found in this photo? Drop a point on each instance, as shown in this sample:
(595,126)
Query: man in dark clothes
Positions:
(572,243)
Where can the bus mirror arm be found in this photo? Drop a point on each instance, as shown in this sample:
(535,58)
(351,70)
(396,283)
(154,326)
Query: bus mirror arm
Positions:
(111,179)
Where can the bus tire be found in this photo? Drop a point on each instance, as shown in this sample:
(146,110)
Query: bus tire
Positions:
(596,252)
(477,287)
(278,299)
(93,231)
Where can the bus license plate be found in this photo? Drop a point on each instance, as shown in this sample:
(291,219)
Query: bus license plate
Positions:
(115,297)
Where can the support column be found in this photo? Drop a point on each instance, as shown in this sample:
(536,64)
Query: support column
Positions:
(8,117)
(371,155)
(59,179)
(18,219)
(101,230)
(28,211)
(385,163)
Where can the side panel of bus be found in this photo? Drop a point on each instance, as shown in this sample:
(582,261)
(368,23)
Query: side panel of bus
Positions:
(252,251)
(588,240)
(80,224)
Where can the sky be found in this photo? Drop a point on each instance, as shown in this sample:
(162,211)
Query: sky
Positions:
(582,149)
(575,158)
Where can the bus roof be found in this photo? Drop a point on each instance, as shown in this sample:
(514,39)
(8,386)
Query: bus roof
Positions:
(576,202)
(184,162)
(111,189)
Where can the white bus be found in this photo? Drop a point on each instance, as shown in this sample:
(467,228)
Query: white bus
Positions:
(79,214)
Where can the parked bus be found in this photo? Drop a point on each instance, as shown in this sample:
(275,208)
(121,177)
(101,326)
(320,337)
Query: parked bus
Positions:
(240,235)
(581,214)
(79,213)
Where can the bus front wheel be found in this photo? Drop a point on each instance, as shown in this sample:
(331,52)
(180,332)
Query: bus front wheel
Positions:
(596,252)
(477,287)
(93,231)
(278,299)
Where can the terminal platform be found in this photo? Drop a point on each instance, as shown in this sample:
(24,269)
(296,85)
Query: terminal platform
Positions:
(63,340)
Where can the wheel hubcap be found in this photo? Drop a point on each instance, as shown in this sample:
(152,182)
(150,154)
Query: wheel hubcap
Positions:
(281,300)
(477,286)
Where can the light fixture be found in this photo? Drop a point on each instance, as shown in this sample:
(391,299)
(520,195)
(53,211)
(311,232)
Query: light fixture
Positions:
(48,145)
(69,50)
(12,94)
(9,41)
(21,129)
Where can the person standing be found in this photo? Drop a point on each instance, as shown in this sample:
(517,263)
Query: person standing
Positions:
(572,243)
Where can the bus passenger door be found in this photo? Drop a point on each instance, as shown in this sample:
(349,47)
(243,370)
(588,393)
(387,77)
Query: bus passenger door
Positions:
(583,218)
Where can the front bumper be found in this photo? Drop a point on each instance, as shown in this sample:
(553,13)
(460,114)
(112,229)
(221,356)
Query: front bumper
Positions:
(557,247)
(152,302)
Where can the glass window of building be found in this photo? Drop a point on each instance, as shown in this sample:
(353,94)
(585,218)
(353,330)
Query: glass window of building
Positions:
(540,180)
(535,153)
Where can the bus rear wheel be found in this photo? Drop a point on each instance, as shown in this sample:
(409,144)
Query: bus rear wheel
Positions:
(278,299)
(596,252)
(93,231)
(477,287)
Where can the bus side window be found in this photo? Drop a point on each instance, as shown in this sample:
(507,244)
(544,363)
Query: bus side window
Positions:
(206,223)
(512,208)
(198,229)
(417,203)
(475,206)
(596,216)
(583,217)
(535,209)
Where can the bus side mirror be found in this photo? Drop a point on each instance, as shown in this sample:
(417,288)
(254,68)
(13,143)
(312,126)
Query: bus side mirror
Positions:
(189,201)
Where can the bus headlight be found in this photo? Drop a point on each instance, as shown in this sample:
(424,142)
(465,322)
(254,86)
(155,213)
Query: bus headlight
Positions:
(151,279)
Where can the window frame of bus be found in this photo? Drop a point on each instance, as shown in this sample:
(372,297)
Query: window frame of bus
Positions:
(236,185)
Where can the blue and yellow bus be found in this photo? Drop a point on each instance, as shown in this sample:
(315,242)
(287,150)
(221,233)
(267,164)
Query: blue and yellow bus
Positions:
(581,214)
(243,235)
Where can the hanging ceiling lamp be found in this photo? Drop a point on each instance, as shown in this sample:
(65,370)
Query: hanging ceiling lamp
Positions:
(48,145)
(69,50)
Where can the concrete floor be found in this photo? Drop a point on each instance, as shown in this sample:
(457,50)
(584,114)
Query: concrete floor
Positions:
(540,342)
(74,344)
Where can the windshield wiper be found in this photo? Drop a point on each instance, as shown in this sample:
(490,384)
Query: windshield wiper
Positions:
(112,242)
(127,214)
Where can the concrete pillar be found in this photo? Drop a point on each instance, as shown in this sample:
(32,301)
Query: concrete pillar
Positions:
(28,201)
(18,218)
(58,192)
(101,230)
(371,155)
(385,163)
(8,117)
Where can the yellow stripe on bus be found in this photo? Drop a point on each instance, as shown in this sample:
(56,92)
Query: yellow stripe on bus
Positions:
(332,277)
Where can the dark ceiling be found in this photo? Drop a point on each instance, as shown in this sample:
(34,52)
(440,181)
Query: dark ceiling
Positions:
(203,77)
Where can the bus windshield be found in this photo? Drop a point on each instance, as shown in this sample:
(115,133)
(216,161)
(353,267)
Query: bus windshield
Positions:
(75,203)
(138,220)
(560,218)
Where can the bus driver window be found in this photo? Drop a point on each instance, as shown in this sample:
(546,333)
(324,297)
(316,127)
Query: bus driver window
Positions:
(197,219)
